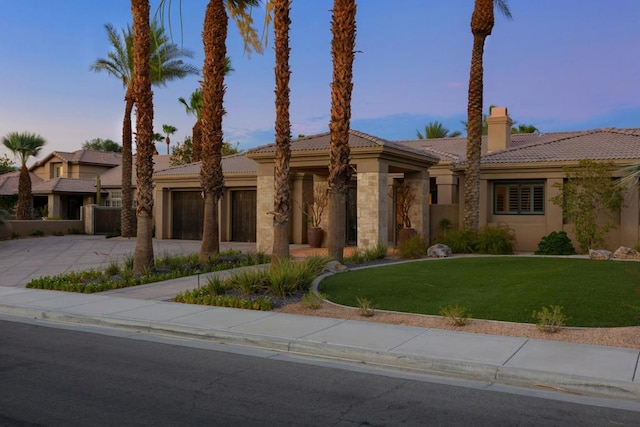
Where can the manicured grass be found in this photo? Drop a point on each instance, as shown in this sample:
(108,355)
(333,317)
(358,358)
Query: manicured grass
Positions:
(592,293)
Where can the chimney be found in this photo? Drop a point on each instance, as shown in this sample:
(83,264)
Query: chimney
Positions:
(499,134)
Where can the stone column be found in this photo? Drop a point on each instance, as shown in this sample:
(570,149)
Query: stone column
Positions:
(419,211)
(373,203)
(265,195)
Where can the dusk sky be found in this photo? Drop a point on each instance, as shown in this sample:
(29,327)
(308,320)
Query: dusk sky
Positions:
(559,65)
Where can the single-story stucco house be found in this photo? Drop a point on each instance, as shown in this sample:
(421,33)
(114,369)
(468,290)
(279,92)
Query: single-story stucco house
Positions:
(518,173)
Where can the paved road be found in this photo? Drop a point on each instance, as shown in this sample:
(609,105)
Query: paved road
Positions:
(52,376)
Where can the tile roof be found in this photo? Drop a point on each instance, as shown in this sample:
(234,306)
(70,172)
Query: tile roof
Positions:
(598,144)
(357,140)
(234,164)
(83,156)
(9,182)
(113,177)
(65,185)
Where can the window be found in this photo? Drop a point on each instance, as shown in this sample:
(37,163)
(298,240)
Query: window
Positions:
(115,199)
(518,198)
(57,171)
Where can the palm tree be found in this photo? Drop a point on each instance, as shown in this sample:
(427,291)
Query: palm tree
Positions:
(168,130)
(482,22)
(437,130)
(195,107)
(166,65)
(343,27)
(143,255)
(24,145)
(281,203)
(524,128)
(214,37)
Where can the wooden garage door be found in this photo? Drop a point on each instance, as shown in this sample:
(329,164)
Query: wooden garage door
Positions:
(188,212)
(243,216)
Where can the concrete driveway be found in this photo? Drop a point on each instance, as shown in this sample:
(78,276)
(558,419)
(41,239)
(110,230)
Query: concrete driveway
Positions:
(25,259)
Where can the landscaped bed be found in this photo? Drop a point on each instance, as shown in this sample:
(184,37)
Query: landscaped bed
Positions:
(591,293)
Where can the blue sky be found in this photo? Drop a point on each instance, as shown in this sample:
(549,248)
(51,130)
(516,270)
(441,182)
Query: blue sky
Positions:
(560,65)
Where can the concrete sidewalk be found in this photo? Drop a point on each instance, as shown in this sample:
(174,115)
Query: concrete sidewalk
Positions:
(575,368)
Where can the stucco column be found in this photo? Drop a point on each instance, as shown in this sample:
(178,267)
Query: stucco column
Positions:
(297,220)
(419,211)
(264,204)
(552,212)
(54,206)
(373,203)
(447,185)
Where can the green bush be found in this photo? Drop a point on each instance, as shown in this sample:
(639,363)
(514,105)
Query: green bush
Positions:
(38,233)
(413,248)
(312,300)
(457,314)
(368,255)
(496,240)
(555,243)
(249,282)
(550,319)
(462,241)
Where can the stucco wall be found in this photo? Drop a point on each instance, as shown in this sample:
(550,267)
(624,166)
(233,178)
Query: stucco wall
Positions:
(48,227)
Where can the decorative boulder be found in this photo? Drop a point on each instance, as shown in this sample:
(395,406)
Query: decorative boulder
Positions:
(626,253)
(439,251)
(334,267)
(600,254)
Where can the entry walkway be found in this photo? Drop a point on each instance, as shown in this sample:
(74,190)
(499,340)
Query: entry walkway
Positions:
(575,368)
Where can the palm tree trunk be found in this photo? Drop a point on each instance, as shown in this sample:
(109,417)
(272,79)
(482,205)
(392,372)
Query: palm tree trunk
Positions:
(281,203)
(196,141)
(474,136)
(482,22)
(343,27)
(25,198)
(127,217)
(143,256)
(214,37)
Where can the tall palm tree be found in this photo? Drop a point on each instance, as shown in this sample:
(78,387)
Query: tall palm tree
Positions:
(166,65)
(437,130)
(343,27)
(168,130)
(143,95)
(281,203)
(482,22)
(24,145)
(214,37)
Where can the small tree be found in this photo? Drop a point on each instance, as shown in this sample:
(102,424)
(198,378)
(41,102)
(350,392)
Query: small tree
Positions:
(6,164)
(99,144)
(589,197)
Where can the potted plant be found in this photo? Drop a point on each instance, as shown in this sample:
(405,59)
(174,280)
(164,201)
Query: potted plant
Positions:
(406,197)
(314,210)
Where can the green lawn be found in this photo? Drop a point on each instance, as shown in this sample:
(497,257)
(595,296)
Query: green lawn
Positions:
(592,293)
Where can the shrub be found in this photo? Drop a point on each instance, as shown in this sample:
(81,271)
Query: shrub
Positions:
(217,285)
(38,233)
(249,282)
(368,255)
(413,248)
(365,306)
(550,319)
(312,300)
(462,241)
(58,233)
(555,243)
(496,240)
(457,314)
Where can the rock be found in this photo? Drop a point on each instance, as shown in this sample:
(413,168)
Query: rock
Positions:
(334,267)
(600,254)
(439,251)
(626,253)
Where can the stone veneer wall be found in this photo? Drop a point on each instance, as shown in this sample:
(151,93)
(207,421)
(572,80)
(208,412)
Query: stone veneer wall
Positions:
(373,209)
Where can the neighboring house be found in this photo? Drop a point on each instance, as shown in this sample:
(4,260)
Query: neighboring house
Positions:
(67,181)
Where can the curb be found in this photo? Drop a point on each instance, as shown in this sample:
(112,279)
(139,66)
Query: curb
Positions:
(572,384)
